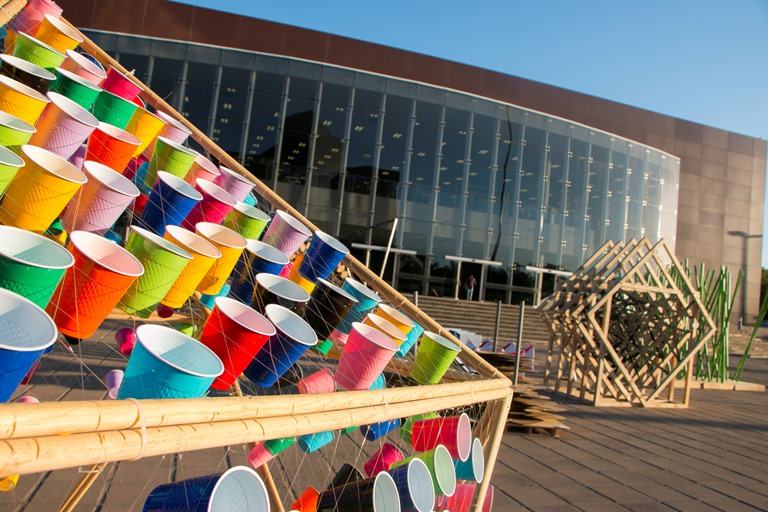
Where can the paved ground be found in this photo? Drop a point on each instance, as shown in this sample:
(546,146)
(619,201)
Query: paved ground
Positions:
(712,456)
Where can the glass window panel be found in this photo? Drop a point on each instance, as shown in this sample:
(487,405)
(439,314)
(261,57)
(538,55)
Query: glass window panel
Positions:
(138,63)
(598,182)
(198,93)
(166,80)
(481,170)
(393,141)
(302,96)
(329,141)
(453,161)
(532,172)
(424,157)
(362,142)
(230,113)
(264,123)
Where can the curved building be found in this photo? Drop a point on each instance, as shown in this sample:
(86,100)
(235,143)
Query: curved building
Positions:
(514,181)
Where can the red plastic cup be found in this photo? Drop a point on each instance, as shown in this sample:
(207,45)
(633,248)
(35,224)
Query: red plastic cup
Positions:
(307,502)
(319,382)
(365,355)
(455,432)
(461,499)
(214,207)
(383,459)
(235,333)
(111,146)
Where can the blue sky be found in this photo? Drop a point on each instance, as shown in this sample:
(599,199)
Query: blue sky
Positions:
(705,60)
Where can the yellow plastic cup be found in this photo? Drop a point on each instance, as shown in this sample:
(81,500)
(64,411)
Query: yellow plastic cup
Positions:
(57,34)
(21,101)
(40,190)
(395,317)
(231,245)
(144,125)
(204,255)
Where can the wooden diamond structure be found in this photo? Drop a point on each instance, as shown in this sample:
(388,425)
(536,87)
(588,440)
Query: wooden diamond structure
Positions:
(623,331)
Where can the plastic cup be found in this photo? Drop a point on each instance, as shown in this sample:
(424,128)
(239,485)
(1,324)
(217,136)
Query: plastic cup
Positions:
(367,299)
(40,190)
(63,126)
(310,443)
(14,132)
(257,258)
(348,473)
(463,498)
(163,262)
(202,168)
(26,331)
(231,246)
(307,502)
(474,467)
(407,428)
(173,130)
(112,109)
(322,257)
(326,307)
(111,146)
(37,52)
(319,382)
(31,75)
(386,327)
(171,157)
(83,67)
(30,17)
(76,88)
(375,431)
(102,272)
(383,459)
(440,465)
(433,358)
(282,350)
(413,335)
(168,364)
(378,493)
(414,486)
(120,85)
(235,333)
(113,379)
(169,202)
(454,432)
(247,220)
(272,289)
(145,126)
(204,254)
(20,100)
(31,265)
(57,34)
(27,399)
(10,163)
(286,233)
(239,488)
(214,207)
(237,185)
(364,357)
(395,317)
(207,300)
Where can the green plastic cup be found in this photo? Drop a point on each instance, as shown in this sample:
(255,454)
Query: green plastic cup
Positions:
(10,163)
(14,132)
(440,465)
(76,88)
(37,52)
(31,265)
(406,429)
(433,358)
(171,157)
(112,109)
(247,220)
(163,263)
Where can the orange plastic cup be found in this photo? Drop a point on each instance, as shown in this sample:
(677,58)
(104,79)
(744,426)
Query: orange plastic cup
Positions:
(111,146)
(231,244)
(91,288)
(386,327)
(57,34)
(145,126)
(395,317)
(204,255)
(21,101)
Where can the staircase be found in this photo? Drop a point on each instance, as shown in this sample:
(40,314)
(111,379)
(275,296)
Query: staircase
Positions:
(480,317)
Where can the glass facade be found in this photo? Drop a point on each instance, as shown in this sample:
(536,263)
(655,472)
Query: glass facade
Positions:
(467,178)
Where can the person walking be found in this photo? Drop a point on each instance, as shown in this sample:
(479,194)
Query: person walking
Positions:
(469,286)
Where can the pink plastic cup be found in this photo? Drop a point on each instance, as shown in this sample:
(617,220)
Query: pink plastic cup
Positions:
(83,67)
(100,202)
(28,20)
(234,332)
(63,126)
(285,233)
(113,379)
(383,459)
(172,130)
(259,455)
(462,498)
(120,85)
(319,382)
(234,183)
(365,355)
(202,168)
(27,399)
(455,432)
(214,207)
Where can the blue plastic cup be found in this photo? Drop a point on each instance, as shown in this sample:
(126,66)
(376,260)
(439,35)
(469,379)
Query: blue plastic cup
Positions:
(312,442)
(166,363)
(322,257)
(413,335)
(376,430)
(209,300)
(294,337)
(169,203)
(474,467)
(25,332)
(379,383)
(414,485)
(367,299)
(239,488)
(257,257)
(377,493)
